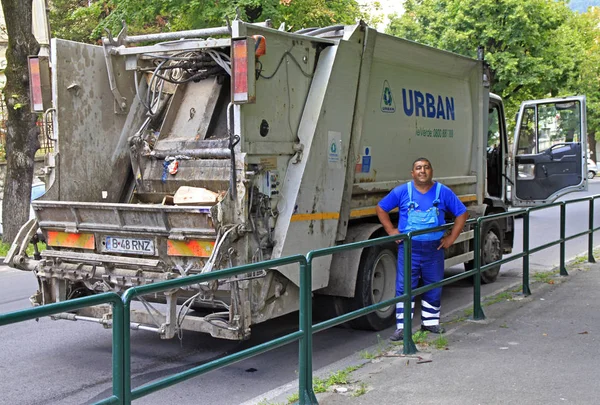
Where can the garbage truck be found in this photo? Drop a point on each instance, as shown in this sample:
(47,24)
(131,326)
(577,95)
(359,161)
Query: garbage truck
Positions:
(187,152)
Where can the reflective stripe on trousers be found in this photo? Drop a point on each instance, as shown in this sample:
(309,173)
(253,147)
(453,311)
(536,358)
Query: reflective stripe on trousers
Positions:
(427,265)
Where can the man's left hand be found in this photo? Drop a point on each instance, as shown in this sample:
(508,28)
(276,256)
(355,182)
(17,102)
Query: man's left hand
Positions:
(446,242)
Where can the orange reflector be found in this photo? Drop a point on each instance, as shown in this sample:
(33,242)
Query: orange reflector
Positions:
(72,240)
(35,85)
(197,248)
(240,71)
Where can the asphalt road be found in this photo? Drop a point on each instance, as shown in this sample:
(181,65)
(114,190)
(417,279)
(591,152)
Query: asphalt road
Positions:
(50,362)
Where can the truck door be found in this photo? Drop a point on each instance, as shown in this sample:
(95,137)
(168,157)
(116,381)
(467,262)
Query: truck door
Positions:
(550,149)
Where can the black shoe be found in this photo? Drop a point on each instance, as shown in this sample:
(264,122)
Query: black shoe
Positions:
(397,335)
(433,329)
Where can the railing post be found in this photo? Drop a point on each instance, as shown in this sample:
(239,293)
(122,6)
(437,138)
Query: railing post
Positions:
(305,387)
(126,333)
(526,290)
(118,356)
(591,258)
(563,233)
(478,314)
(409,346)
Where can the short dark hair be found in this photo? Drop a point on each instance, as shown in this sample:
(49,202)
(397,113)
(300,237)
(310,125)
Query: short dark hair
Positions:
(422,159)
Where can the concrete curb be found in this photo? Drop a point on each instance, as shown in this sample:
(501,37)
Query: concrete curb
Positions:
(281,394)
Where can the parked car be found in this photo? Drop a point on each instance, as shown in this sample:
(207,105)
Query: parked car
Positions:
(592,169)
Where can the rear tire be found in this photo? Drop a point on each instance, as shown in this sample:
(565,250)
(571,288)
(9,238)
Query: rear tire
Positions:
(591,175)
(376,282)
(491,251)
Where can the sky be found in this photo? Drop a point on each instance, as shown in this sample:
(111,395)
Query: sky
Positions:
(387,7)
(395,6)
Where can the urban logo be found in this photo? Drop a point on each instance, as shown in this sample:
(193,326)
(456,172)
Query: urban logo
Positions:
(428,105)
(388,104)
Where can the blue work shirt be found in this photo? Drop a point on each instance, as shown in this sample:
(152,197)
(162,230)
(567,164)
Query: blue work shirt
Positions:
(398,198)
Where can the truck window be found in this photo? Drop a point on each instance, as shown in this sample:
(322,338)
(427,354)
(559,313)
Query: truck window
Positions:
(494,152)
(558,123)
(493,140)
(527,138)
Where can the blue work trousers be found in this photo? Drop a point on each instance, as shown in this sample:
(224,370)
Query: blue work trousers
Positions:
(427,265)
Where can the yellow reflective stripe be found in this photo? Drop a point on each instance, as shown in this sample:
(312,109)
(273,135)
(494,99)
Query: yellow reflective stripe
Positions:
(468,198)
(72,240)
(195,248)
(318,216)
(359,212)
(365,212)
(362,212)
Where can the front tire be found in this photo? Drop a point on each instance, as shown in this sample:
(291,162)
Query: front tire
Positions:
(376,282)
(591,175)
(491,251)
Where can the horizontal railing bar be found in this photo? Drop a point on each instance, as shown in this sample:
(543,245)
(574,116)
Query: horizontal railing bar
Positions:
(577,235)
(516,256)
(215,364)
(209,276)
(542,247)
(356,245)
(541,207)
(356,314)
(578,200)
(110,400)
(58,307)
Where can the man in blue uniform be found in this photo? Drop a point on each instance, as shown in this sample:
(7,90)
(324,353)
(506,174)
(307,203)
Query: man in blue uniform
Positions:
(422,203)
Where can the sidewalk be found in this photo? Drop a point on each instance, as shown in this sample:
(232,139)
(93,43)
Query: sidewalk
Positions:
(541,349)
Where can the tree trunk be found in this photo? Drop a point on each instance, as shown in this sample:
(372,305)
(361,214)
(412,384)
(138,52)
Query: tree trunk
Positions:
(592,146)
(22,134)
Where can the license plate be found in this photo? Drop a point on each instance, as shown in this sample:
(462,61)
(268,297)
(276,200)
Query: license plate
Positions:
(129,245)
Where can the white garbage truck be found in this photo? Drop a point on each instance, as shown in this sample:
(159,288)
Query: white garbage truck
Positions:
(187,152)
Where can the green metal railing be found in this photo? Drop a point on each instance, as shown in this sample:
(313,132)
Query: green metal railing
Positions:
(301,335)
(124,394)
(118,395)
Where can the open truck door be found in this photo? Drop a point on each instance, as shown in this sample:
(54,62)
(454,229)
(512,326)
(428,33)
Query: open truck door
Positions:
(550,149)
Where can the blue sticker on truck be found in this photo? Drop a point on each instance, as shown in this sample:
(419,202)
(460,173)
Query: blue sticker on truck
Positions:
(366,161)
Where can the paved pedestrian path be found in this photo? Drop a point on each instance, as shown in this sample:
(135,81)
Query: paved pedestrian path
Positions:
(541,349)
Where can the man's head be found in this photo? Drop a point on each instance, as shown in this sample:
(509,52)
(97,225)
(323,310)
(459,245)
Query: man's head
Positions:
(422,172)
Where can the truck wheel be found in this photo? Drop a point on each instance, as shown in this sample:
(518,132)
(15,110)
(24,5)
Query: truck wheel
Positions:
(491,251)
(376,282)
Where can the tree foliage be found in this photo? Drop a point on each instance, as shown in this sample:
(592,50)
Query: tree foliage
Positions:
(77,21)
(586,79)
(534,47)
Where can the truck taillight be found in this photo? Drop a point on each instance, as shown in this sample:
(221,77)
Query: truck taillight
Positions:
(39,83)
(244,81)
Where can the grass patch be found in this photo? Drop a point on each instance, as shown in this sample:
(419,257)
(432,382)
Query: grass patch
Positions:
(440,342)
(505,296)
(336,378)
(420,337)
(382,346)
(265,402)
(361,390)
(293,398)
(544,277)
(5,247)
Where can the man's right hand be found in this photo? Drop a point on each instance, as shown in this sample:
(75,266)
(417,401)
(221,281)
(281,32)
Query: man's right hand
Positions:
(395,231)
(385,220)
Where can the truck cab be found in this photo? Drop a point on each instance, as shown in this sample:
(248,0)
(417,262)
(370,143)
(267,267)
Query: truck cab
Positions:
(549,150)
